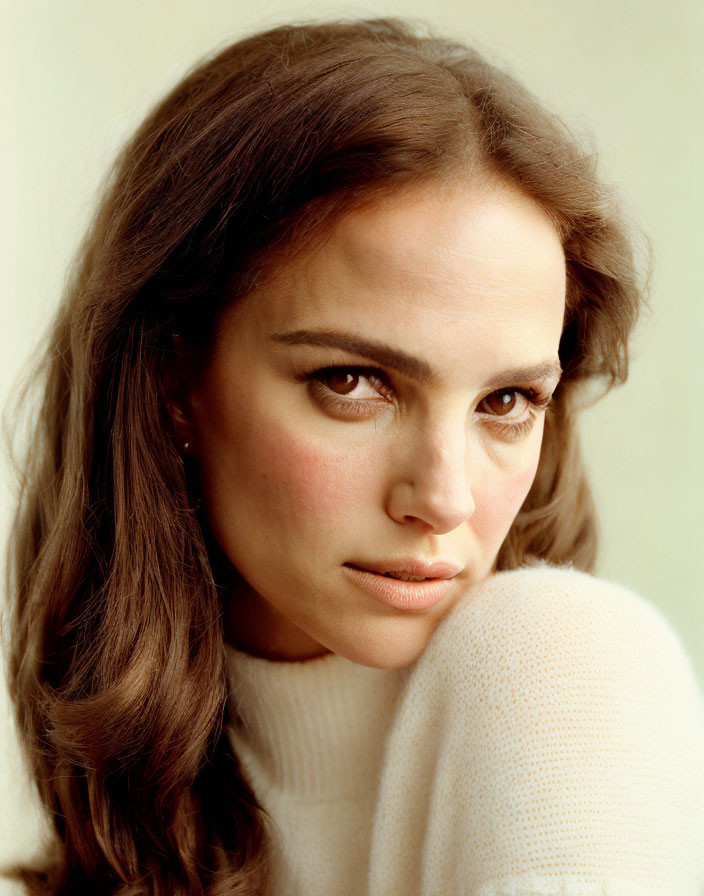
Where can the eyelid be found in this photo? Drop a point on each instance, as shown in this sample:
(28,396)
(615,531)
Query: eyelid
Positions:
(357,369)
(536,395)
(315,380)
(510,428)
(533,390)
(505,427)
(533,394)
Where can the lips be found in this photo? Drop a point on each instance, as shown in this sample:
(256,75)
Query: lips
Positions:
(409,566)
(407,596)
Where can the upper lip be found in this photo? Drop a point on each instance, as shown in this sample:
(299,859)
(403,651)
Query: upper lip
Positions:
(440,569)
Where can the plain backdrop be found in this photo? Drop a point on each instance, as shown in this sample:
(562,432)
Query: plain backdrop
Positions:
(77,76)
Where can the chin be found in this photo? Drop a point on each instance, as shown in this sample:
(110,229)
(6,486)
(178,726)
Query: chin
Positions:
(396,642)
(385,652)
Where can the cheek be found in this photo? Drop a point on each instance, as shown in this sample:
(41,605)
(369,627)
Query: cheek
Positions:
(497,501)
(312,483)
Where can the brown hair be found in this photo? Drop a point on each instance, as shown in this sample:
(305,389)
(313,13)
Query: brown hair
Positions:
(115,634)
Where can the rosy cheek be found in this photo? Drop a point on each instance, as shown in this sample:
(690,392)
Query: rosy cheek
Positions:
(315,484)
(497,502)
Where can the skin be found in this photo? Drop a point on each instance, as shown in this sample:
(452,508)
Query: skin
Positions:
(472,281)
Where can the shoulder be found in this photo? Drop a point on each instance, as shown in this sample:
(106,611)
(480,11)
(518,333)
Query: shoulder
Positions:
(558,593)
(572,668)
(567,707)
(541,618)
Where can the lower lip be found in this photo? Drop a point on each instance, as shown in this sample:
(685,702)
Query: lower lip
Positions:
(397,593)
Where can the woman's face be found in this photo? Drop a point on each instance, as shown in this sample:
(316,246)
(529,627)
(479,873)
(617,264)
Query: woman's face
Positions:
(440,315)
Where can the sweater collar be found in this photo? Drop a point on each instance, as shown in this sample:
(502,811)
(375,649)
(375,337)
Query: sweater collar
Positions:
(316,728)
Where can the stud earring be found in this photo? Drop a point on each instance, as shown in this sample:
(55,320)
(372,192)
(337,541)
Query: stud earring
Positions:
(186,446)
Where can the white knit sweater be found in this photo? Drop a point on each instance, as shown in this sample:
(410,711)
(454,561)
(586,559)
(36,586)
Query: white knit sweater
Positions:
(550,740)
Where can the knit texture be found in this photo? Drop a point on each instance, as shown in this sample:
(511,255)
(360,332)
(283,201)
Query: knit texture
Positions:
(548,742)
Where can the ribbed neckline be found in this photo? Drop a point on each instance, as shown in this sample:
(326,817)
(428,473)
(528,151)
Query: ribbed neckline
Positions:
(315,729)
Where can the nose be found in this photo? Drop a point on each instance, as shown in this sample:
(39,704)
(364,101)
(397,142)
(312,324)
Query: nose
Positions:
(433,485)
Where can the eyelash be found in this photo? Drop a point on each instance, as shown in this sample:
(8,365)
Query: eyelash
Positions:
(359,407)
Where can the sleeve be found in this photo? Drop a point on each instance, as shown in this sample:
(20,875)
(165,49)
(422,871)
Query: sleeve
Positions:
(552,736)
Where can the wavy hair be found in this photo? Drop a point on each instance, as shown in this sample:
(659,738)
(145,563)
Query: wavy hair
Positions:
(114,625)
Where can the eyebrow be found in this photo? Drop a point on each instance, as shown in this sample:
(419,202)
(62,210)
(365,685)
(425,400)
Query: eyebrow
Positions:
(414,368)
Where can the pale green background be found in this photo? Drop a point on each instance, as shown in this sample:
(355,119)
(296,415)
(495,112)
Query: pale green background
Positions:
(78,75)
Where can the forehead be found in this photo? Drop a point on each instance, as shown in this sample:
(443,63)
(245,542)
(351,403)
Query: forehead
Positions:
(441,240)
(441,271)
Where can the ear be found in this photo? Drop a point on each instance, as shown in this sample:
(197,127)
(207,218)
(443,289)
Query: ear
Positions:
(179,379)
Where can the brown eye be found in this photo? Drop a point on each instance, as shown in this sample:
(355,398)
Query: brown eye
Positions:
(501,402)
(341,382)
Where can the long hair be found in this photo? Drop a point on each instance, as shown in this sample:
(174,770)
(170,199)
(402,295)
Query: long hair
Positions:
(115,639)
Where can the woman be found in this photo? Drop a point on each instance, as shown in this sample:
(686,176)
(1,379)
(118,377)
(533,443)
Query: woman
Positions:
(326,337)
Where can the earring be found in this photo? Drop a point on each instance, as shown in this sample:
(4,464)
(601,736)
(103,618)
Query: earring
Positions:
(186,446)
